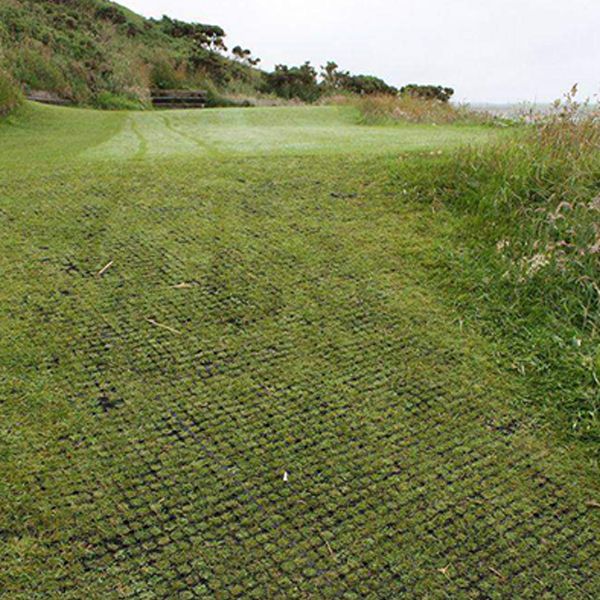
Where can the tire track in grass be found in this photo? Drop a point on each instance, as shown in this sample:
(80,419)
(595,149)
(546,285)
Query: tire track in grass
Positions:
(209,149)
(142,150)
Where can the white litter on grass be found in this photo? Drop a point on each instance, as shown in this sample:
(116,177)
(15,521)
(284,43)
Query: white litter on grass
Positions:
(286,477)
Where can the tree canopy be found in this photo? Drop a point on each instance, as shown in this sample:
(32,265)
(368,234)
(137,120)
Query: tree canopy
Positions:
(428,92)
(294,82)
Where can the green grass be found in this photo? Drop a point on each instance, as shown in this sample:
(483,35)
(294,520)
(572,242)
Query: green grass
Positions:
(146,425)
(231,132)
(527,252)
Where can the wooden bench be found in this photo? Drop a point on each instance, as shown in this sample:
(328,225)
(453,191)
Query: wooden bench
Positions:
(179,98)
(47,98)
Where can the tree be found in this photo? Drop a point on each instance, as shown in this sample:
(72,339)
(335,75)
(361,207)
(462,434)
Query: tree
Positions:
(244,56)
(428,92)
(208,37)
(334,79)
(211,64)
(366,85)
(330,75)
(294,82)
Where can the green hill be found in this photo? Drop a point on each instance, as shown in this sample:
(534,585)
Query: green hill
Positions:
(99,53)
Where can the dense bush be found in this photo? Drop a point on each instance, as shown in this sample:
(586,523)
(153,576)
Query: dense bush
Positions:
(81,49)
(294,82)
(37,69)
(212,66)
(336,81)
(428,92)
(163,75)
(210,37)
(111,13)
(10,95)
(365,85)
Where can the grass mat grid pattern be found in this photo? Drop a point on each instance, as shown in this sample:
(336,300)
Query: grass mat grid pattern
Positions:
(149,424)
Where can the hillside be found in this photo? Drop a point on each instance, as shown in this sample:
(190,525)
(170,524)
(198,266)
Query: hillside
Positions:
(99,53)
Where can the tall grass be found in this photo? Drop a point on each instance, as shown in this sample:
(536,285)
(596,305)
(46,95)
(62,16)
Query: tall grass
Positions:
(388,109)
(531,208)
(10,95)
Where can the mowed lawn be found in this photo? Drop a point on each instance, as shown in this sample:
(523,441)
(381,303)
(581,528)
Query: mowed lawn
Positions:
(228,370)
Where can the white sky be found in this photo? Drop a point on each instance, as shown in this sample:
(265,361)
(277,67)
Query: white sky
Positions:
(488,50)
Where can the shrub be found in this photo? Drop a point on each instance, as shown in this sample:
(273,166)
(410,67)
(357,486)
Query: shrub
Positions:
(38,70)
(163,75)
(128,75)
(111,13)
(110,101)
(211,66)
(294,82)
(10,95)
(79,48)
(365,85)
(428,92)
(209,37)
(334,81)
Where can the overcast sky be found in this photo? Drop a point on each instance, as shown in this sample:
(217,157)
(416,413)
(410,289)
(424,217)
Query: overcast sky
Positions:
(488,50)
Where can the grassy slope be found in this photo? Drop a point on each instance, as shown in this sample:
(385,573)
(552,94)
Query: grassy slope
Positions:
(312,337)
(173,134)
(74,50)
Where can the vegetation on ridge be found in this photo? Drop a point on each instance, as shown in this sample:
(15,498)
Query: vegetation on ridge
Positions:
(96,52)
(90,51)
